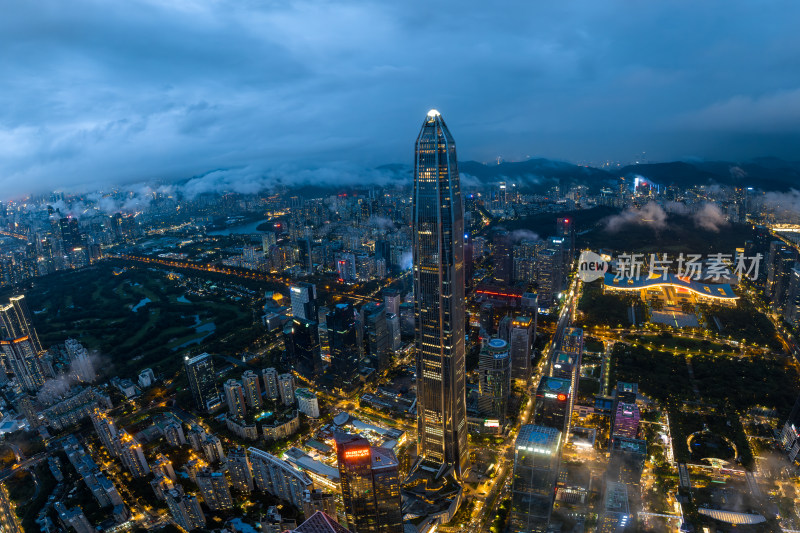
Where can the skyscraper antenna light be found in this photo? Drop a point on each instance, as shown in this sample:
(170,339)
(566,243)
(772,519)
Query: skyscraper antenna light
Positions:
(433,113)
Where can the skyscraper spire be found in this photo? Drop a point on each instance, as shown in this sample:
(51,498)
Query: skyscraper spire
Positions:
(439,297)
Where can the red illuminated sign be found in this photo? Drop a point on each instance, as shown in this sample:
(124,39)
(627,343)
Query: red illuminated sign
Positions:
(562,397)
(356,453)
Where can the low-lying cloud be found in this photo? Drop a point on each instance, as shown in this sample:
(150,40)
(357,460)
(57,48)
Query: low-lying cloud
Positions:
(708,217)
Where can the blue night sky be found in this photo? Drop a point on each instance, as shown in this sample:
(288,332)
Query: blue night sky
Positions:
(94,93)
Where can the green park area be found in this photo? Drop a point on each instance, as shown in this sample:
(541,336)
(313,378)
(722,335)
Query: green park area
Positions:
(598,309)
(666,340)
(137,317)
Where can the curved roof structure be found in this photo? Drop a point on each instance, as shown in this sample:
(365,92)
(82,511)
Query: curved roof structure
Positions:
(721,291)
(732,517)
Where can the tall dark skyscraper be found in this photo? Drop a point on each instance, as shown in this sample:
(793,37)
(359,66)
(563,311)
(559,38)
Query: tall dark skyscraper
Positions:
(343,340)
(438,250)
(15,319)
(503,259)
(370,486)
(201,376)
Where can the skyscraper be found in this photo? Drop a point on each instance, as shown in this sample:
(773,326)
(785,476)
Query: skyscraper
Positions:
(234,397)
(22,359)
(376,334)
(215,489)
(370,486)
(552,404)
(15,319)
(240,469)
(521,338)
(536,463)
(502,257)
(494,368)
(252,389)
(304,300)
(343,340)
(438,253)
(202,381)
(270,376)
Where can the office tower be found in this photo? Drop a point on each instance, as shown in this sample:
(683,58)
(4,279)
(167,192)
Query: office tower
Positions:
(438,258)
(202,381)
(625,393)
(234,397)
(131,454)
(278,477)
(494,369)
(317,500)
(780,261)
(469,264)
(106,430)
(343,339)
(22,359)
(304,348)
(521,338)
(565,228)
(626,460)
(392,300)
(502,257)
(239,469)
(307,402)
(504,328)
(185,509)
(536,463)
(567,366)
(552,404)
(286,389)
(79,361)
(252,389)
(616,516)
(393,327)
(270,376)
(791,312)
(304,301)
(572,341)
(376,334)
(626,420)
(407,320)
(321,522)
(370,484)
(487,319)
(214,489)
(548,273)
(15,318)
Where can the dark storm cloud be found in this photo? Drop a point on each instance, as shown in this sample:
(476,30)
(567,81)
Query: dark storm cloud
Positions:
(95,93)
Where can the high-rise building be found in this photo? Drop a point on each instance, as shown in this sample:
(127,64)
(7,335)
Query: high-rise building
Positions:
(494,369)
(239,469)
(626,460)
(321,522)
(234,397)
(536,463)
(616,516)
(438,259)
(487,319)
(791,311)
(106,430)
(278,477)
(15,319)
(23,360)
(502,257)
(303,346)
(393,326)
(407,320)
(780,261)
(565,228)
(252,389)
(370,484)
(626,420)
(131,454)
(376,334)
(202,381)
(392,300)
(185,509)
(8,516)
(304,300)
(572,341)
(343,340)
(317,500)
(214,489)
(552,404)
(270,376)
(548,275)
(307,402)
(80,363)
(286,388)
(521,339)
(567,366)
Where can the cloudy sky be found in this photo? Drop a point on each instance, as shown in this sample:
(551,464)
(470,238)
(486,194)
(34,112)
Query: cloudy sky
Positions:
(97,92)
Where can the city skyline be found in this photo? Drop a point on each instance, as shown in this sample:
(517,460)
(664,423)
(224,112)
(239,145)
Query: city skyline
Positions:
(89,101)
